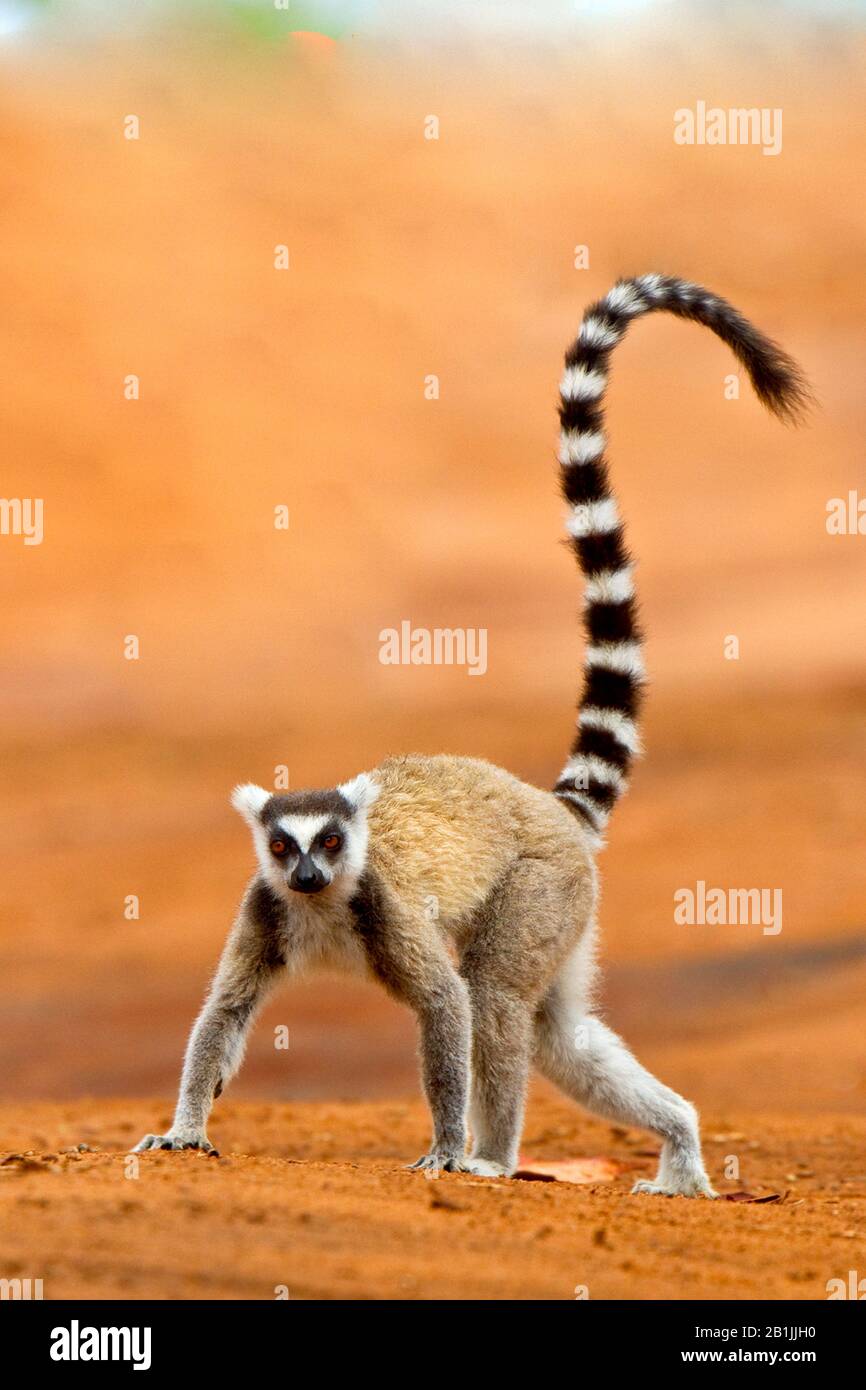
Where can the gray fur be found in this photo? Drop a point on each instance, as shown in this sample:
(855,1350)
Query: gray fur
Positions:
(409,958)
(253,955)
(307,803)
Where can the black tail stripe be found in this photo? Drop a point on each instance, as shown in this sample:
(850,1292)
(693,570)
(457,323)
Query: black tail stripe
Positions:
(580,809)
(594,359)
(600,552)
(580,415)
(612,622)
(585,482)
(610,690)
(602,793)
(604,745)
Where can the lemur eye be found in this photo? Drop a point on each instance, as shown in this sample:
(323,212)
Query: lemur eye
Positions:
(278,847)
(332,841)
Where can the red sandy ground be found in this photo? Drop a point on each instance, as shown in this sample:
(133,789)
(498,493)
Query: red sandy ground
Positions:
(260,647)
(315,1198)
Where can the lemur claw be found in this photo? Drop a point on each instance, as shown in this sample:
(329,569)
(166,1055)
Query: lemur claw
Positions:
(438,1163)
(452,1163)
(697,1187)
(174,1142)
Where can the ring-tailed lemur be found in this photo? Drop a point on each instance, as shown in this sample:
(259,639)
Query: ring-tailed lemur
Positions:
(428,860)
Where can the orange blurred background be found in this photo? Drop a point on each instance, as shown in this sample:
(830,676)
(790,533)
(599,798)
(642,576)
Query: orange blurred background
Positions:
(305,387)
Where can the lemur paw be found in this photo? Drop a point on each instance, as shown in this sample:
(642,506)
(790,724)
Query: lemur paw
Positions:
(488,1168)
(696,1186)
(172,1140)
(441,1163)
(452,1163)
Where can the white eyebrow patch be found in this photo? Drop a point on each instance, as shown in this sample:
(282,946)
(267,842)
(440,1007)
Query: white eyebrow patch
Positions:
(303,829)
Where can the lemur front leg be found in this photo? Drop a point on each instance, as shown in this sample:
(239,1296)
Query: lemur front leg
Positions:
(250,962)
(409,958)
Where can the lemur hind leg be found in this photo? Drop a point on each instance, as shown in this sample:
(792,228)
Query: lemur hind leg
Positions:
(592,1065)
(515,945)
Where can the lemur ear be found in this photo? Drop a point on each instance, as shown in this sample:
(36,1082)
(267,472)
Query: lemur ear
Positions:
(362,791)
(249,800)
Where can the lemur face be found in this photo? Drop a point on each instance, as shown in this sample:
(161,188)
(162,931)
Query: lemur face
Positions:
(307,841)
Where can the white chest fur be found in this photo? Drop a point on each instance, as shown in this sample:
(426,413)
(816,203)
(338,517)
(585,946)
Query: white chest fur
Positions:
(322,935)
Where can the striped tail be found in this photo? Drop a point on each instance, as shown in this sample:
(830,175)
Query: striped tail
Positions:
(607,740)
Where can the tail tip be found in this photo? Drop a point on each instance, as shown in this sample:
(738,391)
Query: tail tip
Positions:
(782,387)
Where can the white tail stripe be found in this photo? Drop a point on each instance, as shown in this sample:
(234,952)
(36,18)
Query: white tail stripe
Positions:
(577,447)
(624,657)
(624,299)
(614,722)
(593,518)
(594,333)
(585,765)
(610,586)
(580,384)
(650,285)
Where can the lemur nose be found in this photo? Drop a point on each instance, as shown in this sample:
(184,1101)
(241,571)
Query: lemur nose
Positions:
(307,879)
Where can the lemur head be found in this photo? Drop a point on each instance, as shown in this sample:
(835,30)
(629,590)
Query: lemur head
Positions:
(307,841)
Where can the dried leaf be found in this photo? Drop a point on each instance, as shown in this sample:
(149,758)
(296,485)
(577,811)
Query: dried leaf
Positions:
(576,1170)
(752,1197)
